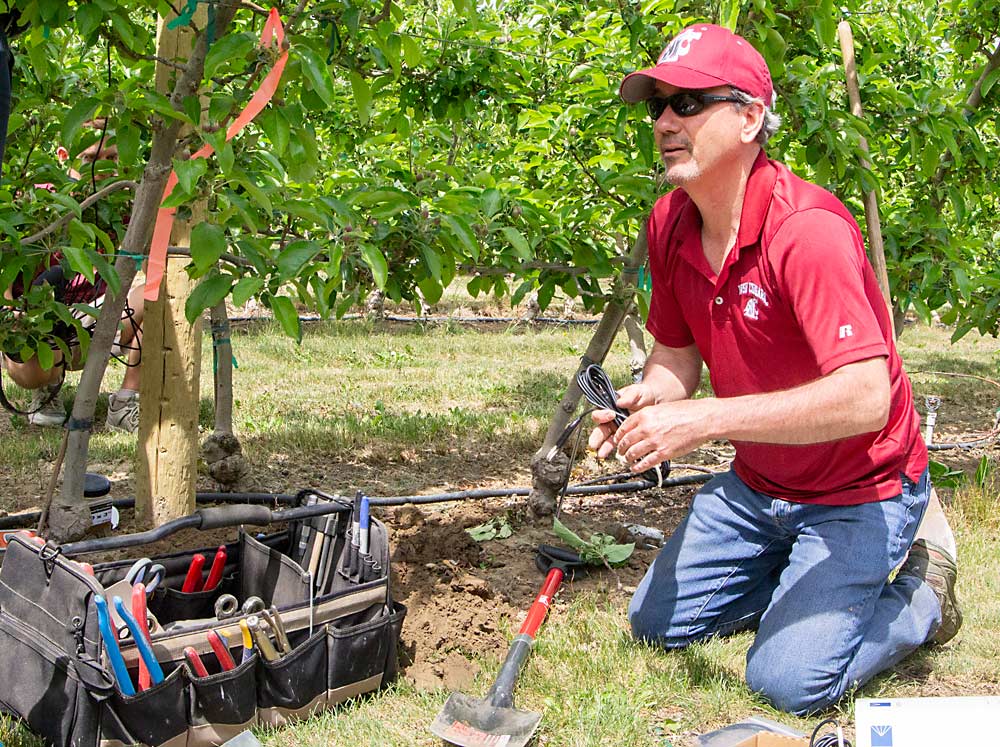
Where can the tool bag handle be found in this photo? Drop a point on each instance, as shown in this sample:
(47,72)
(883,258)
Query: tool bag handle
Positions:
(207,518)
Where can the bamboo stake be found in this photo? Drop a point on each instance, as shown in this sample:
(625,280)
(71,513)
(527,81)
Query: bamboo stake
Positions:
(876,247)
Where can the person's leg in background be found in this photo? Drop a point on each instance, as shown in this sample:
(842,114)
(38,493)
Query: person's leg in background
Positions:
(123,405)
(46,408)
(835,621)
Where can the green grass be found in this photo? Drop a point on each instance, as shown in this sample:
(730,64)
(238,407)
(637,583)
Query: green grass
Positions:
(359,395)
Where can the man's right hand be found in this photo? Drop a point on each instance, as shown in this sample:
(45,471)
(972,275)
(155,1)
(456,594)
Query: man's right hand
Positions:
(632,397)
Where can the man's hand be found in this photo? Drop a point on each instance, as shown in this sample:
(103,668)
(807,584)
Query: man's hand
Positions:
(664,431)
(632,398)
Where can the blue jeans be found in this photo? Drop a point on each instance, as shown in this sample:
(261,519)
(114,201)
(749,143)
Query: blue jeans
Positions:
(813,581)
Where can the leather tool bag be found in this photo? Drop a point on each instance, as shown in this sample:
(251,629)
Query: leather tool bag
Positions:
(54,669)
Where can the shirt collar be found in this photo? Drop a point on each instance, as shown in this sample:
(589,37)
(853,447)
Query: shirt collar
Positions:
(756,200)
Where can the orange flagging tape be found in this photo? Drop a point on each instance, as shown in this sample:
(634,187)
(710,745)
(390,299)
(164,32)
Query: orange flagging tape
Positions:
(273,30)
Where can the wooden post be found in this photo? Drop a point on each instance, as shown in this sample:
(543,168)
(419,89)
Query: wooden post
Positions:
(171,362)
(876,248)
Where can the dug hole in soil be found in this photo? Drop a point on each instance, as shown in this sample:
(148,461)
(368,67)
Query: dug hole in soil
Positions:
(466,598)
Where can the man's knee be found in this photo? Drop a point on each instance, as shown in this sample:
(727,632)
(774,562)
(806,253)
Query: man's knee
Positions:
(652,626)
(793,686)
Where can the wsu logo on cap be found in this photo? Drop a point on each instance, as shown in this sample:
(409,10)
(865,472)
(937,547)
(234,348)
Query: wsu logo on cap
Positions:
(679,46)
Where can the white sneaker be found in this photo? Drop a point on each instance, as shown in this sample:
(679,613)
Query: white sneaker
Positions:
(53,414)
(123,412)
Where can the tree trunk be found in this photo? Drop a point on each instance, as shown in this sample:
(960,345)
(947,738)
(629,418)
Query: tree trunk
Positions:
(69,516)
(222,451)
(548,465)
(222,368)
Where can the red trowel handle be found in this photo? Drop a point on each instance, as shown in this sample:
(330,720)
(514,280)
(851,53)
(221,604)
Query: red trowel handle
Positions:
(501,695)
(542,602)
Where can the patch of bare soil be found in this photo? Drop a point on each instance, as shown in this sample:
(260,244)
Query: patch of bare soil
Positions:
(460,593)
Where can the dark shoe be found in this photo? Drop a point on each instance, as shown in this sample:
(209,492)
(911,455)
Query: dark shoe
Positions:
(937,568)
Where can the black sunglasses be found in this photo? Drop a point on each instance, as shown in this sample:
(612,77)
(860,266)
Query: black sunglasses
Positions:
(684,104)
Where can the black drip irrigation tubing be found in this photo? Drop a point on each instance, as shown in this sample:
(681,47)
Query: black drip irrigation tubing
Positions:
(30,519)
(429,319)
(963,444)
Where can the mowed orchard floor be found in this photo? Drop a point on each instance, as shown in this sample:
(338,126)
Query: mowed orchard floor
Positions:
(398,409)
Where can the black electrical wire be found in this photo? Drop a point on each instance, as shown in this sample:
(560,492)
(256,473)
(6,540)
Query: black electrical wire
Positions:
(830,739)
(596,386)
(600,392)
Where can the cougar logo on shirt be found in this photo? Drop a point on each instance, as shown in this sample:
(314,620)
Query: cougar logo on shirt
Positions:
(679,46)
(757,296)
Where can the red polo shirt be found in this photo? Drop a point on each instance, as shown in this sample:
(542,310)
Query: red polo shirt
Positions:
(795,300)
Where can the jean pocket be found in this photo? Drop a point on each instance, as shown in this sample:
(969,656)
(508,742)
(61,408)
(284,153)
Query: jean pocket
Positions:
(222,705)
(294,685)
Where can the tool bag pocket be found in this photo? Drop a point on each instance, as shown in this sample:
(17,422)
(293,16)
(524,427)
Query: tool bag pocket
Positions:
(49,670)
(222,704)
(294,686)
(271,575)
(359,649)
(154,716)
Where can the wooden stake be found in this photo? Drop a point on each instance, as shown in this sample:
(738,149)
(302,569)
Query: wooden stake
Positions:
(171,361)
(876,247)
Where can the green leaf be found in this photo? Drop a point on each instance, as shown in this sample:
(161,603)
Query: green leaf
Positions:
(962,280)
(431,290)
(88,18)
(618,554)
(46,358)
(568,536)
(413,55)
(295,256)
(208,244)
(461,231)
(989,81)
(496,528)
(362,97)
(277,129)
(77,115)
(287,316)
(229,47)
(491,202)
(517,240)
(433,261)
(207,294)
(128,145)
(189,172)
(245,289)
(317,74)
(729,13)
(376,261)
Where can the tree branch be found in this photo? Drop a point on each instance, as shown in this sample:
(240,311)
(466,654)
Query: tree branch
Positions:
(972,103)
(590,175)
(63,220)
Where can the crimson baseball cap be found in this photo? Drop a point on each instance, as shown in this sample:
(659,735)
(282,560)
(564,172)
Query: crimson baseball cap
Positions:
(703,56)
